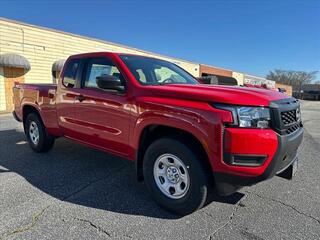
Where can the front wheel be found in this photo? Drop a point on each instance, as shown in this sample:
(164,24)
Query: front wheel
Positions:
(175,176)
(37,136)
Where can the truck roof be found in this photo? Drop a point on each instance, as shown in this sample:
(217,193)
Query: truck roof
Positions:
(97,54)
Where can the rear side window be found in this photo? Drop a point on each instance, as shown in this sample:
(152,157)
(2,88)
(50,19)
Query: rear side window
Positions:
(70,73)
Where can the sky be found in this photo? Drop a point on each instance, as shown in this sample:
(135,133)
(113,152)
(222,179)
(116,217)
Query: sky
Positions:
(251,36)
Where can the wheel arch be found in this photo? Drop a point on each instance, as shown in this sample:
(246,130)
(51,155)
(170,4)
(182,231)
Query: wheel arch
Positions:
(152,132)
(27,109)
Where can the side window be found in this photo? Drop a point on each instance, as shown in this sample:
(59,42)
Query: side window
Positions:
(97,67)
(70,74)
(164,73)
(142,77)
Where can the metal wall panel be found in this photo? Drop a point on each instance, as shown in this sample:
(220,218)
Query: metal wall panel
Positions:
(42,47)
(239,76)
(2,91)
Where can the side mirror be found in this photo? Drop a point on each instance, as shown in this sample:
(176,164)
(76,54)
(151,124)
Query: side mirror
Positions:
(110,82)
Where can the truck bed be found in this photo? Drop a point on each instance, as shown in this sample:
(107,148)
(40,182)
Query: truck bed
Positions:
(41,96)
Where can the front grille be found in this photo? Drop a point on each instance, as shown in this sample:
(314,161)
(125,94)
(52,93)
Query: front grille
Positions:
(285,116)
(293,128)
(289,117)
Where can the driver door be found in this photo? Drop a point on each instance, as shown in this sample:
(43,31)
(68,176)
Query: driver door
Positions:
(102,116)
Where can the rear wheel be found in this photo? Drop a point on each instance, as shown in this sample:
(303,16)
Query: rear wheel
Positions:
(37,136)
(175,176)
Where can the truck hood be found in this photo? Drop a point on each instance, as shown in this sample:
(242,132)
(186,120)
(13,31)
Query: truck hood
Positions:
(219,94)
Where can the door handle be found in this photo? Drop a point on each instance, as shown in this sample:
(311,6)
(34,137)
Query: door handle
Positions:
(51,94)
(71,95)
(80,98)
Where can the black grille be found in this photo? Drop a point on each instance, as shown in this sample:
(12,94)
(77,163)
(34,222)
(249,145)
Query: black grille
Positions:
(293,128)
(285,116)
(289,117)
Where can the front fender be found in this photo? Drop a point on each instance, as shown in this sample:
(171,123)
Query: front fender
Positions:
(187,124)
(198,119)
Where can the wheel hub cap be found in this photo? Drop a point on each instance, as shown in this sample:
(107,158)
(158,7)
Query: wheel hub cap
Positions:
(34,133)
(171,176)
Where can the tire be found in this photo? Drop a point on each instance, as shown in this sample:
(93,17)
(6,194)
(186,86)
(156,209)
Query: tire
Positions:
(38,138)
(184,198)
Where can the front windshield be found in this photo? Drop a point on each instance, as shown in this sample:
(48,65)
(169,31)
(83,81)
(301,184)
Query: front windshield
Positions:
(151,71)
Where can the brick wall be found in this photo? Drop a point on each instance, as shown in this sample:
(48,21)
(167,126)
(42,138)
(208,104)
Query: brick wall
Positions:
(213,70)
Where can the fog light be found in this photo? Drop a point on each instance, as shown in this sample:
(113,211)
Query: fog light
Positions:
(249,160)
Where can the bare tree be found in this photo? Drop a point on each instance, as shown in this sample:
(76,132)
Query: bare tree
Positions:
(295,78)
(317,82)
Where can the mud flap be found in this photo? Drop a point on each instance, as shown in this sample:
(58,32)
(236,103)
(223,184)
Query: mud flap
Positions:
(289,172)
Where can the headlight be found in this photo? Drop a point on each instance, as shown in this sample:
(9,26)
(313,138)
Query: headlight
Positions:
(256,117)
(248,117)
(298,115)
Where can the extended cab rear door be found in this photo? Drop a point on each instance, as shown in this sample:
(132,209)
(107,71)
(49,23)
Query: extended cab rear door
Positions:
(67,92)
(103,117)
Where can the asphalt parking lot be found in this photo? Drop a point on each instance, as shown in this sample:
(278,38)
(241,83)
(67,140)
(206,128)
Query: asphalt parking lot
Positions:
(74,192)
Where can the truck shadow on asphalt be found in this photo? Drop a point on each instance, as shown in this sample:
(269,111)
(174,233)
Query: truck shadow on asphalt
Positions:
(77,174)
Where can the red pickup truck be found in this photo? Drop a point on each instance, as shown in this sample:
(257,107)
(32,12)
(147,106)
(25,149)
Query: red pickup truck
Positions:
(186,138)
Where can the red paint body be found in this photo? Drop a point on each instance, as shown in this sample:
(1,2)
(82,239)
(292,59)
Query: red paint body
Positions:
(114,122)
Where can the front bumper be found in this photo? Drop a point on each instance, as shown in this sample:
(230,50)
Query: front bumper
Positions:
(286,153)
